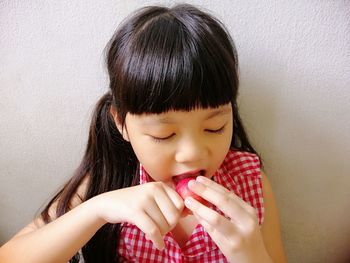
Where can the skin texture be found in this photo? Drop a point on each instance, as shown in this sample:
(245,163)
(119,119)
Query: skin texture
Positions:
(183,190)
(174,143)
(239,237)
(193,142)
(178,142)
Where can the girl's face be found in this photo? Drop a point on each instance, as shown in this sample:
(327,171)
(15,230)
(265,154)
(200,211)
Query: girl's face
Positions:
(180,143)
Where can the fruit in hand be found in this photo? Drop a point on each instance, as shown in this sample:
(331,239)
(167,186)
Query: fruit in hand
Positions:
(183,190)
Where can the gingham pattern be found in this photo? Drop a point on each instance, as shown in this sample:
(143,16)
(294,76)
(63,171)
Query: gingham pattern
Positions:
(240,173)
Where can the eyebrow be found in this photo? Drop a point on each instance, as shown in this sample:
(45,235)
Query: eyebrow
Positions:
(218,112)
(169,120)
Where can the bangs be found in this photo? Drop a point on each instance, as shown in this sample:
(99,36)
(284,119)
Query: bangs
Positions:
(174,62)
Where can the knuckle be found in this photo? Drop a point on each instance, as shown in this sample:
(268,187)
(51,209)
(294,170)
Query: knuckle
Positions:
(250,226)
(251,210)
(227,190)
(172,220)
(159,184)
(179,206)
(153,186)
(236,243)
(156,187)
(152,231)
(224,199)
(147,199)
(210,228)
(231,195)
(215,220)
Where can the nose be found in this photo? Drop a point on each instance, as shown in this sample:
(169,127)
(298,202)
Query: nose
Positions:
(191,150)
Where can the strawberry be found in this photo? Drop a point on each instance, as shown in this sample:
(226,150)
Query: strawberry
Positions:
(183,190)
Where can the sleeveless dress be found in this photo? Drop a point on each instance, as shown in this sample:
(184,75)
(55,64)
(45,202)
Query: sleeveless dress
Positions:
(240,173)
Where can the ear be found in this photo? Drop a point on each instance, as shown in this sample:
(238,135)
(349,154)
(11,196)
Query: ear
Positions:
(122,129)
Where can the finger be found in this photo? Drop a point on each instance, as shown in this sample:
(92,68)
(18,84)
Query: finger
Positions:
(247,207)
(171,206)
(155,213)
(219,239)
(208,182)
(212,184)
(175,197)
(151,230)
(213,219)
(227,202)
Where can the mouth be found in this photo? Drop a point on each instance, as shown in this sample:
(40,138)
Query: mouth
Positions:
(190,174)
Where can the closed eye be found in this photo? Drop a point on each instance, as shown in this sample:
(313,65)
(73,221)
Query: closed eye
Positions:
(159,139)
(218,131)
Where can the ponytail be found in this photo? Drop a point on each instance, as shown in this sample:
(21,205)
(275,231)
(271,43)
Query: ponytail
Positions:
(110,164)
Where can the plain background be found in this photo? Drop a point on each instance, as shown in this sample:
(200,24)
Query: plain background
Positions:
(295,101)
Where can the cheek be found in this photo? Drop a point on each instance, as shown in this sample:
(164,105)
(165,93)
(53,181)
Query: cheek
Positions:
(154,160)
(222,147)
(223,142)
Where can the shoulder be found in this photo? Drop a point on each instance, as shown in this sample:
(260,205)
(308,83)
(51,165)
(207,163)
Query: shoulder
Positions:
(271,229)
(239,167)
(76,200)
(271,212)
(241,163)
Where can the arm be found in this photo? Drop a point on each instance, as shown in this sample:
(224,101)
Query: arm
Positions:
(57,241)
(154,207)
(270,229)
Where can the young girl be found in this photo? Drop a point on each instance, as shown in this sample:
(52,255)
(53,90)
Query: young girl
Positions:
(170,113)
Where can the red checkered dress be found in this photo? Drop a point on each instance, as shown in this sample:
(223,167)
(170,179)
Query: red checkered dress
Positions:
(240,172)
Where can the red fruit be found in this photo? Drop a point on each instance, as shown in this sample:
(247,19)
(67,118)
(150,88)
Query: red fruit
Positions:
(183,190)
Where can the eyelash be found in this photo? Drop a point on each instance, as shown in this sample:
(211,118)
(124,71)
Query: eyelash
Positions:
(156,139)
(218,131)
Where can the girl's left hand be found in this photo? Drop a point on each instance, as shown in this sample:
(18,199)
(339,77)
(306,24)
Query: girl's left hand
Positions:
(238,237)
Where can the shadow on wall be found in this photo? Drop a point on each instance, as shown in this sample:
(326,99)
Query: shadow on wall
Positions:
(313,196)
(302,140)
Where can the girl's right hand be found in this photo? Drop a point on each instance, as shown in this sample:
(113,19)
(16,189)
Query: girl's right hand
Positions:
(154,208)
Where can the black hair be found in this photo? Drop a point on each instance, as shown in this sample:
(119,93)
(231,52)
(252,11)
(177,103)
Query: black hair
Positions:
(159,59)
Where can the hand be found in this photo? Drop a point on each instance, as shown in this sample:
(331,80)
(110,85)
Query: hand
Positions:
(237,236)
(154,208)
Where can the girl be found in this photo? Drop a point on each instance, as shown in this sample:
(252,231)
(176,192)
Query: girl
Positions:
(170,113)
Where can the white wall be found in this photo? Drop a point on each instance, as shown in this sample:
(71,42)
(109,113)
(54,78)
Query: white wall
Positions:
(295,100)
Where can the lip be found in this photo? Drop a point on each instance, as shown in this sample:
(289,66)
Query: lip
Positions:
(194,173)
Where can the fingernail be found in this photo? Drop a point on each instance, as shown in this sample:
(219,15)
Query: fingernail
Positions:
(188,202)
(201,179)
(194,183)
